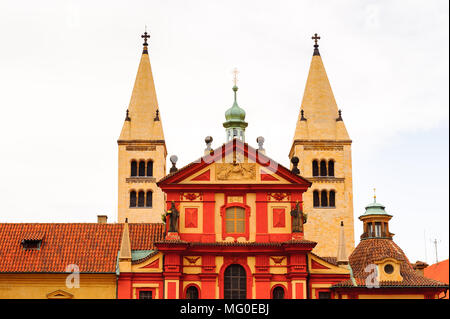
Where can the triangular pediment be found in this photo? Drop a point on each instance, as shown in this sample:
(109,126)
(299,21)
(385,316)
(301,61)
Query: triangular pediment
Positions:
(234,163)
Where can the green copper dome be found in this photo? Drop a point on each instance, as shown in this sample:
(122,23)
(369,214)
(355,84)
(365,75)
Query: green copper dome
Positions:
(235,114)
(375,209)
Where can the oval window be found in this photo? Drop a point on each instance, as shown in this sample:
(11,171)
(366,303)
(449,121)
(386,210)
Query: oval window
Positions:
(389,269)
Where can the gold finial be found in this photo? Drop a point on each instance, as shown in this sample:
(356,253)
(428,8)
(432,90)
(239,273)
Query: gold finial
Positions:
(374,195)
(235,73)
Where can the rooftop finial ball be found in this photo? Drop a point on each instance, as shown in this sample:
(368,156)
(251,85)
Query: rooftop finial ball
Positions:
(173,159)
(208,139)
(260,140)
(294,160)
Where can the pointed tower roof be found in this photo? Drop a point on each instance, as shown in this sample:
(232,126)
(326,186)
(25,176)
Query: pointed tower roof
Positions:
(143,120)
(320,119)
(125,245)
(341,253)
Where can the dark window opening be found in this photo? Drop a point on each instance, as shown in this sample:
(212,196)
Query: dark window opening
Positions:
(133,168)
(323,199)
(389,269)
(145,294)
(192,293)
(324,295)
(330,168)
(315,168)
(150,168)
(141,168)
(31,243)
(235,282)
(149,199)
(323,168)
(141,199)
(332,199)
(316,199)
(132,199)
(278,293)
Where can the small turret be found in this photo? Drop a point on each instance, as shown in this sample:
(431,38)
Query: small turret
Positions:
(235,118)
(376,221)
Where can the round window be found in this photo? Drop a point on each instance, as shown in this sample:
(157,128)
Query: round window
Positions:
(389,269)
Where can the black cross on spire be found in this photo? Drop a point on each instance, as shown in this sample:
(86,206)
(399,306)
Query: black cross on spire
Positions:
(316,46)
(145,36)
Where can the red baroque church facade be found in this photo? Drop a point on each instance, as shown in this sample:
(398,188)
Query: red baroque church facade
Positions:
(234,229)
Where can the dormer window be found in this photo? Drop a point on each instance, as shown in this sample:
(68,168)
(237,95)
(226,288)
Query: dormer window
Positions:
(389,269)
(31,243)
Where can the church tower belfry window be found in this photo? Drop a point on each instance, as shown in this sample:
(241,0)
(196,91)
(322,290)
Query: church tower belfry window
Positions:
(235,117)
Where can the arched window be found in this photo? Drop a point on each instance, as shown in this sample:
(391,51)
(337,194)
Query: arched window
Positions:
(278,293)
(315,168)
(141,199)
(377,229)
(132,199)
(323,168)
(235,220)
(141,168)
(133,168)
(149,199)
(150,168)
(332,199)
(331,168)
(192,292)
(235,282)
(324,199)
(316,199)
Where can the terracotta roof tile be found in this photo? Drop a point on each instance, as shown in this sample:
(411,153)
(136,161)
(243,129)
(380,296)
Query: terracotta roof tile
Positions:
(375,249)
(93,247)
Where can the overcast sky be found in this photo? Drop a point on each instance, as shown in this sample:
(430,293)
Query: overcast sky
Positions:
(67,69)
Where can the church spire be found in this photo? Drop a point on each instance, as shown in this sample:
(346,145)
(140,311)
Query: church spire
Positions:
(142,150)
(318,106)
(143,108)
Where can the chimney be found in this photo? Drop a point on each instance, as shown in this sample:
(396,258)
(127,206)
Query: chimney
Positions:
(419,266)
(102,219)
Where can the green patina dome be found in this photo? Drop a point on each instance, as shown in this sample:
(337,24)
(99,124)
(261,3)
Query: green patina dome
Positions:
(235,114)
(375,209)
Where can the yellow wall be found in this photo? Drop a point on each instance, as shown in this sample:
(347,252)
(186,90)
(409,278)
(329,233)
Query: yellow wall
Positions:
(323,223)
(155,152)
(38,286)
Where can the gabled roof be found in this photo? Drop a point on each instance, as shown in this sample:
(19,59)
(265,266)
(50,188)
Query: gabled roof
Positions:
(226,150)
(92,247)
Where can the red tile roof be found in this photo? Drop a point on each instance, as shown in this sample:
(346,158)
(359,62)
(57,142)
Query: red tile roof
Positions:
(438,271)
(93,247)
(375,249)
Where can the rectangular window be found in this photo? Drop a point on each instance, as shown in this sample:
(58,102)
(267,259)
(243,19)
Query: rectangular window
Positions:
(235,220)
(377,229)
(145,294)
(31,244)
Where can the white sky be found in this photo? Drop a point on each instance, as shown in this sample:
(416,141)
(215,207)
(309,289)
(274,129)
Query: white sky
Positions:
(67,69)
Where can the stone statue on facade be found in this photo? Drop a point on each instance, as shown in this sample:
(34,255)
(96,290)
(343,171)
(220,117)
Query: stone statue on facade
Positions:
(298,219)
(174,214)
